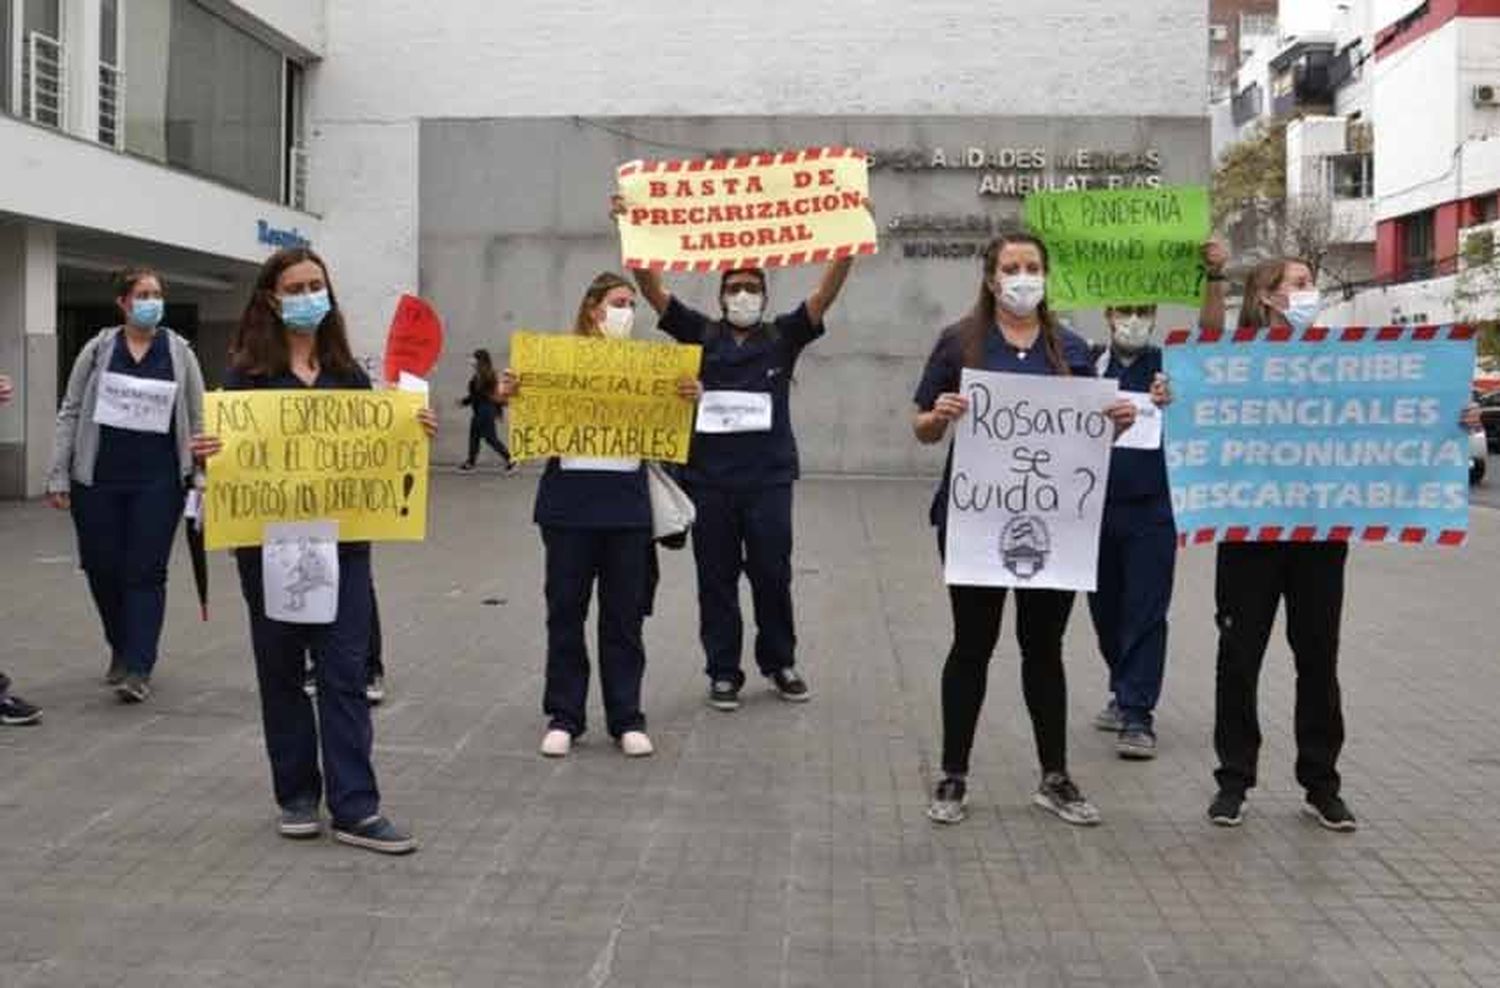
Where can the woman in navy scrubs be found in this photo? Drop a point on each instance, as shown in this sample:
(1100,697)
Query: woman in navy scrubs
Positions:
(740,478)
(292,336)
(1010,329)
(595,517)
(1137,548)
(125,482)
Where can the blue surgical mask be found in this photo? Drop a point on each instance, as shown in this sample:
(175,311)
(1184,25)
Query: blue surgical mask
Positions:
(305,313)
(146,312)
(1302,309)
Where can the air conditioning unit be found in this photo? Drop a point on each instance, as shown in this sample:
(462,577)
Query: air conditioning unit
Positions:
(1218,32)
(1486,94)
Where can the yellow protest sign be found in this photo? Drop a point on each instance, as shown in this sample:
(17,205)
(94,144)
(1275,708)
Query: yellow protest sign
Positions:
(589,396)
(751,211)
(356,457)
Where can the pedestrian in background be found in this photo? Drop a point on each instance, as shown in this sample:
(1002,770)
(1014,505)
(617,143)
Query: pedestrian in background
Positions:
(484,411)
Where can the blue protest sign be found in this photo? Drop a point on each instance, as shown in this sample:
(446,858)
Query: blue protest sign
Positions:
(1321,435)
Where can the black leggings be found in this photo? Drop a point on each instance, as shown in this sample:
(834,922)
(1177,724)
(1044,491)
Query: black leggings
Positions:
(1041,618)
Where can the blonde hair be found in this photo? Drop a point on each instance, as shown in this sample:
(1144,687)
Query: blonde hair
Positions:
(584,324)
(1266,278)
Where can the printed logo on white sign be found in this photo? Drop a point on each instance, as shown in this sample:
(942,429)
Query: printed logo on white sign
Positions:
(1145,433)
(1026,495)
(734,411)
(139,404)
(300,571)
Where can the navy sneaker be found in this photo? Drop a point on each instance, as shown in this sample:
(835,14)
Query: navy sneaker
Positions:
(1136,743)
(300,822)
(16,712)
(1110,719)
(790,686)
(376,834)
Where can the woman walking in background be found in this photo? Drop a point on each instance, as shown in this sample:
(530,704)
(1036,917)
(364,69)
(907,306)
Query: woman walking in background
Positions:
(484,411)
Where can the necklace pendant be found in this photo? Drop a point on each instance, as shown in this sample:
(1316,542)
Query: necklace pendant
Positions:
(1021,354)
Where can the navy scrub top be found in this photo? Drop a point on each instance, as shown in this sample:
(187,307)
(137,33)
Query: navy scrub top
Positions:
(1136,474)
(138,459)
(945,366)
(763,362)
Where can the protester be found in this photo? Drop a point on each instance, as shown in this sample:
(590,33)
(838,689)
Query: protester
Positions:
(741,480)
(1137,549)
(126,482)
(1009,329)
(484,411)
(14,711)
(595,517)
(292,336)
(1252,578)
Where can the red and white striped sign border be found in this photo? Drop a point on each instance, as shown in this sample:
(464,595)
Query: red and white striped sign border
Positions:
(1323,334)
(739,163)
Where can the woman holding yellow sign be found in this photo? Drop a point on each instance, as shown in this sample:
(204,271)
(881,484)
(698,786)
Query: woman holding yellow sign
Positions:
(292,336)
(122,460)
(595,516)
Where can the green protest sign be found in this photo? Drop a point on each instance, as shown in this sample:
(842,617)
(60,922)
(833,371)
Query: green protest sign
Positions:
(1122,246)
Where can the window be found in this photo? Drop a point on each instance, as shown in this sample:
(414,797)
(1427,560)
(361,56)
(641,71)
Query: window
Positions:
(7,55)
(111,78)
(1256,25)
(1218,32)
(43,98)
(1351,176)
(1417,245)
(1485,209)
(214,105)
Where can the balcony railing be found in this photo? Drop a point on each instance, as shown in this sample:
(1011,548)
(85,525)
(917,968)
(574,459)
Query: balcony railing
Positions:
(111,106)
(43,94)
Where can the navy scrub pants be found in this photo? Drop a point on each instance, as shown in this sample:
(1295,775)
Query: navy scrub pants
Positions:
(744,531)
(124,542)
(618,561)
(342,727)
(1137,559)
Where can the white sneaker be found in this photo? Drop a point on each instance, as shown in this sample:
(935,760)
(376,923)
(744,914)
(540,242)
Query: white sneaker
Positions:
(556,743)
(635,744)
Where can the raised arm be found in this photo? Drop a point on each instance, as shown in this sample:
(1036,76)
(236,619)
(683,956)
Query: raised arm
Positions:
(653,289)
(1211,316)
(827,292)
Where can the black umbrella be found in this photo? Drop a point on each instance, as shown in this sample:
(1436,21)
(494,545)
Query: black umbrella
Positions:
(199,555)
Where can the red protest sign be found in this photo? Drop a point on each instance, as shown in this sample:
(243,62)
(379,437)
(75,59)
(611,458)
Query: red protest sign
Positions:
(415,339)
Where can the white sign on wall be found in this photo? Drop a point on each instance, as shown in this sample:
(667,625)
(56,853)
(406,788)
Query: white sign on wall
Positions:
(1026,495)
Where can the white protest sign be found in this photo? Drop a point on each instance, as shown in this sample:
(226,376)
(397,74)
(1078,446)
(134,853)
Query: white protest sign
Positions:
(599,464)
(1146,432)
(300,571)
(734,411)
(1026,495)
(139,404)
(416,385)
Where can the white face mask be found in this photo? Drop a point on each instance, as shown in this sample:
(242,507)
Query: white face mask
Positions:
(1020,294)
(743,309)
(618,320)
(1302,308)
(1131,333)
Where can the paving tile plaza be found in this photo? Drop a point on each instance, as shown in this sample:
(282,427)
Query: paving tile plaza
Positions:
(781,845)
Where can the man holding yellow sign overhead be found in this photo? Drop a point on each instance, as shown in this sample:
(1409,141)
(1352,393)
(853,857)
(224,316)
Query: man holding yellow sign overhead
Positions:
(744,456)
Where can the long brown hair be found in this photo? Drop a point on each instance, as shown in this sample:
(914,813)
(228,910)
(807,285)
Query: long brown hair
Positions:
(260,346)
(584,324)
(1266,278)
(484,372)
(975,327)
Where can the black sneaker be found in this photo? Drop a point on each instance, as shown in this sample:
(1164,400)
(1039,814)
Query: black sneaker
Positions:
(135,688)
(465,467)
(723,695)
(16,712)
(115,675)
(790,686)
(300,823)
(948,801)
(1057,794)
(1228,808)
(376,834)
(1331,813)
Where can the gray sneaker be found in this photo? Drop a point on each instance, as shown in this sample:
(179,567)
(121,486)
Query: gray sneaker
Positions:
(135,688)
(115,674)
(1057,794)
(1136,744)
(300,823)
(948,801)
(1110,719)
